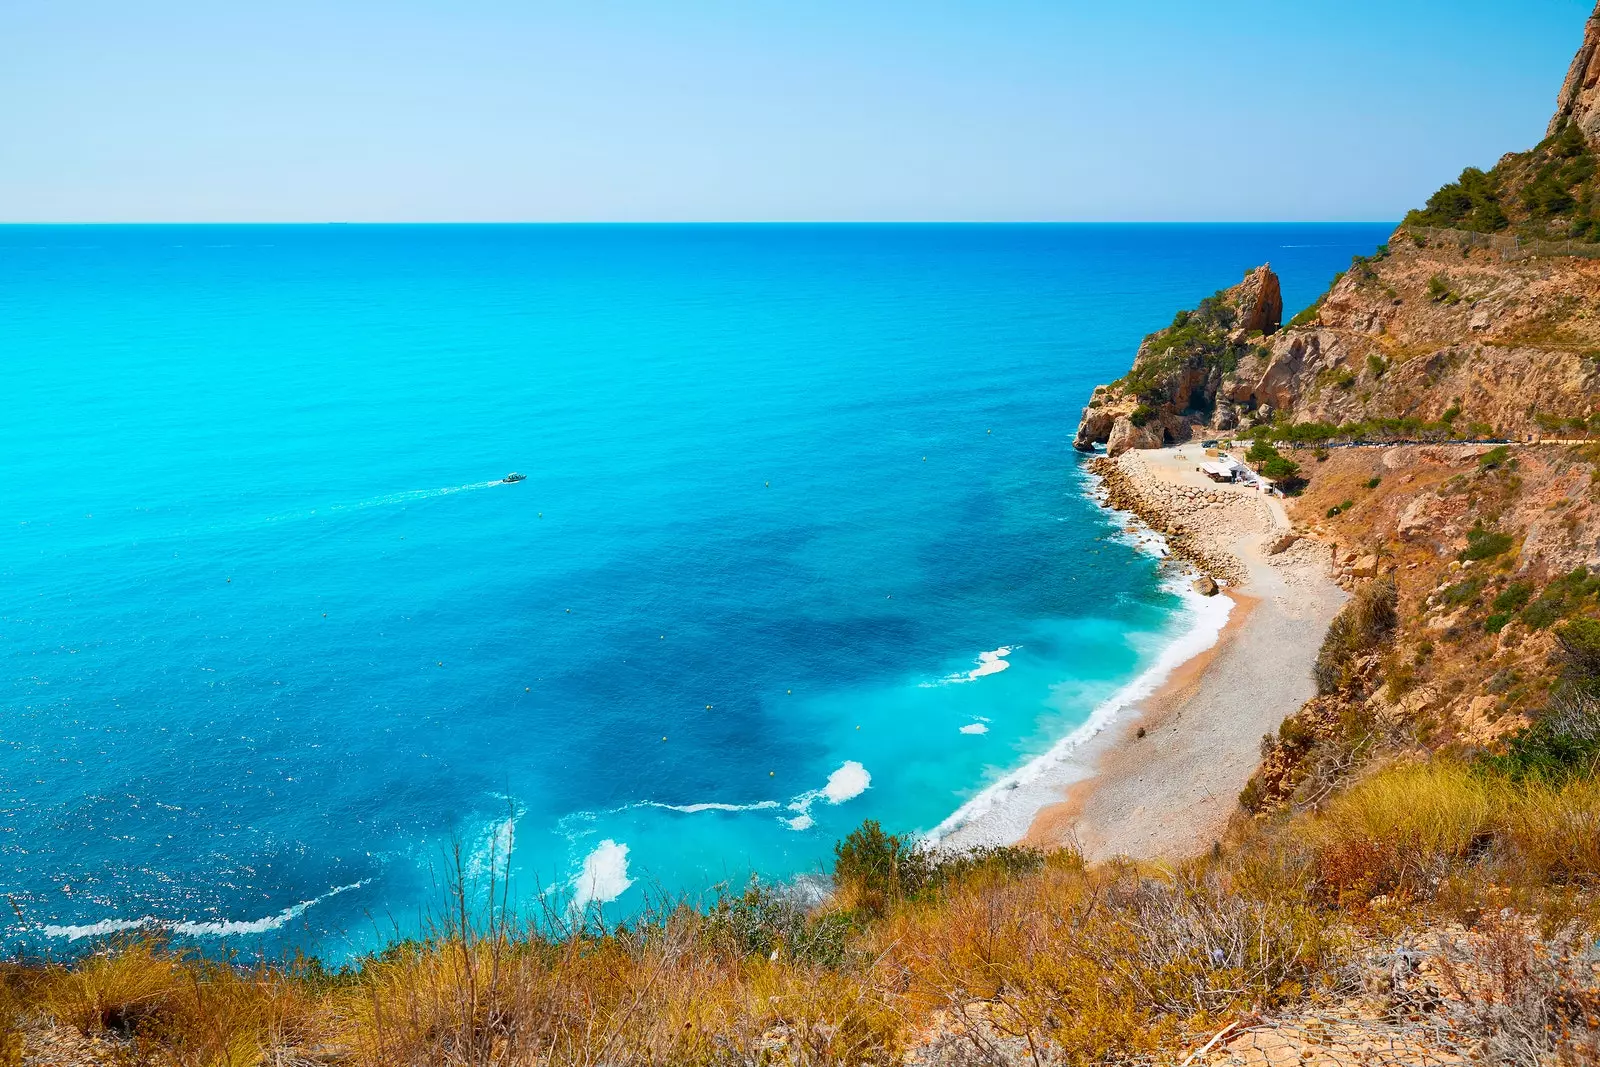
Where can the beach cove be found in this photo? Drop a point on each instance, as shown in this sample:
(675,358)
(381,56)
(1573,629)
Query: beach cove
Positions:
(782,561)
(1156,770)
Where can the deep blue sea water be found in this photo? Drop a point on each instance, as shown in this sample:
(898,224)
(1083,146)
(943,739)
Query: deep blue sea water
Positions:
(274,636)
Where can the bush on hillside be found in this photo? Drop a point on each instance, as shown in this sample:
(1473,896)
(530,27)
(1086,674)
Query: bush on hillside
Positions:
(1484,544)
(1370,616)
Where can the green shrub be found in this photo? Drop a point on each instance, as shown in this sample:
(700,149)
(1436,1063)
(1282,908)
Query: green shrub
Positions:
(1561,598)
(1494,457)
(1463,592)
(1142,415)
(1514,598)
(1471,202)
(1484,544)
(1281,469)
(1496,622)
(1307,316)
(1543,612)
(1373,483)
(1565,741)
(1580,646)
(1261,451)
(876,869)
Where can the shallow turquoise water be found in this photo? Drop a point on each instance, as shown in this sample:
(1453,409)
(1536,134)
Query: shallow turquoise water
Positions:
(275,637)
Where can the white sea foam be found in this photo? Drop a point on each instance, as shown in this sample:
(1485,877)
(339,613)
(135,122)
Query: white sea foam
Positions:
(975,728)
(1002,811)
(695,809)
(604,877)
(850,780)
(187,928)
(988,663)
(493,854)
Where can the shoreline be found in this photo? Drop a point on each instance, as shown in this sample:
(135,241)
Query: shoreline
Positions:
(1170,792)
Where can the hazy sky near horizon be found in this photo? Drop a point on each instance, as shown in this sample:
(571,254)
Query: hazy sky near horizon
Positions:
(185,110)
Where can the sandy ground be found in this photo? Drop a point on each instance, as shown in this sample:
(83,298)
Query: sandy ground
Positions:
(1170,792)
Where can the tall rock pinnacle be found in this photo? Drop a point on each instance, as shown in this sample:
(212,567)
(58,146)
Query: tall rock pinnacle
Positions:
(1580,93)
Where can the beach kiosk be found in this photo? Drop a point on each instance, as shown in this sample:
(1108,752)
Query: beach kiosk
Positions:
(1225,469)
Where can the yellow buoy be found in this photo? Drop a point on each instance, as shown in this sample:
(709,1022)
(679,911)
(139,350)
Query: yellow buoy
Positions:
(663,738)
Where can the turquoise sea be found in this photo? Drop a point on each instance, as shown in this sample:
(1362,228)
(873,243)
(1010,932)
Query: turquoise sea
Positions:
(803,541)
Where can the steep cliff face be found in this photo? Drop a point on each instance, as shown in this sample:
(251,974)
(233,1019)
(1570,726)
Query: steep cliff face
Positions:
(1579,100)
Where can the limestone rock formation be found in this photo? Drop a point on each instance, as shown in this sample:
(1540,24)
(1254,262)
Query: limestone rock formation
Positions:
(1580,93)
(1179,373)
(1260,301)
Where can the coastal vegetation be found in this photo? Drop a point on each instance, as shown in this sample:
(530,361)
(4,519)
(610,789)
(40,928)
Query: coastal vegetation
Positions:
(1548,190)
(1197,338)
(992,957)
(1412,874)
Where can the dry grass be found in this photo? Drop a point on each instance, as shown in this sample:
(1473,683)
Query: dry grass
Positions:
(1008,959)
(1414,831)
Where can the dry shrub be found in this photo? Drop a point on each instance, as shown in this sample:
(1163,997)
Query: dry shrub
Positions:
(1409,830)
(1401,830)
(117,989)
(1370,616)
(666,990)
(12,1001)
(177,1009)
(1553,833)
(1104,964)
(1529,1002)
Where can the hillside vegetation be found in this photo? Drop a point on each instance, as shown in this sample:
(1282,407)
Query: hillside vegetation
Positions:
(1009,956)
(1413,873)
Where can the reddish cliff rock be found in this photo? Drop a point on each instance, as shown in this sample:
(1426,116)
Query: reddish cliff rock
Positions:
(1580,93)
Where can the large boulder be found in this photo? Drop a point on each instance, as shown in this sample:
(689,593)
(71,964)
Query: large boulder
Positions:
(1125,435)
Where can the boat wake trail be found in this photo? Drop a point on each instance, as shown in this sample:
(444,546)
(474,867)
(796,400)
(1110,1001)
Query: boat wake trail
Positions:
(408,496)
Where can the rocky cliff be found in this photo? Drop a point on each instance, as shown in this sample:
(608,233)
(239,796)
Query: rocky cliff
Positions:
(1437,329)
(1479,318)
(1180,373)
(1579,101)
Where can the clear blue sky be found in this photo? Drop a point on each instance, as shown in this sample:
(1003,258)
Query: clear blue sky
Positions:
(613,110)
